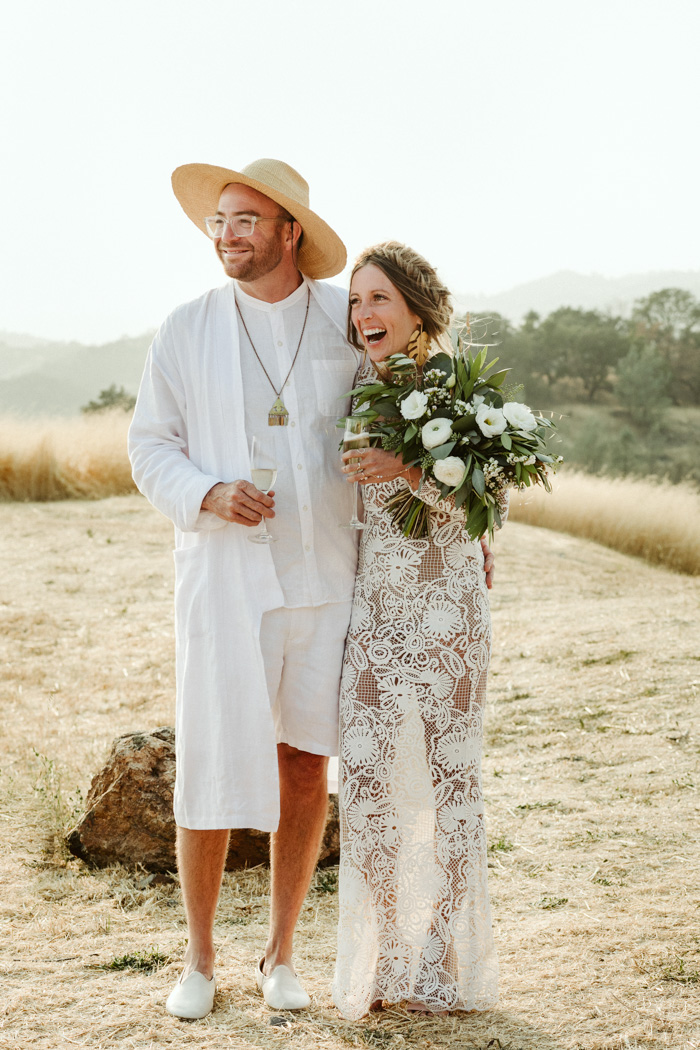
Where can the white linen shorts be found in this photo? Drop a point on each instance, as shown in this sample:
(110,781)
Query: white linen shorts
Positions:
(302,651)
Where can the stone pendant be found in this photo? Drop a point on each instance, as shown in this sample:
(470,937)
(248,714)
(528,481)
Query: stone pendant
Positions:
(278,416)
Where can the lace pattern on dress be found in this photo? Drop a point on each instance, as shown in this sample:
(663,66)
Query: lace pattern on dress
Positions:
(415,920)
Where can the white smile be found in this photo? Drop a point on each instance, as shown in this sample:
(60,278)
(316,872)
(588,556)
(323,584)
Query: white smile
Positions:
(373,335)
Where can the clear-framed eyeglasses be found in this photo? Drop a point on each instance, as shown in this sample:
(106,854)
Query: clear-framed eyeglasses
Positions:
(241,225)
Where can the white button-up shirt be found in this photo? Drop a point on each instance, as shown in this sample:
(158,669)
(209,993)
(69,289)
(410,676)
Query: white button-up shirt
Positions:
(189,431)
(313,557)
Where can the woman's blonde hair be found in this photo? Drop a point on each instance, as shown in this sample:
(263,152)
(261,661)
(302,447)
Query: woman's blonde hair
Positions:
(415,278)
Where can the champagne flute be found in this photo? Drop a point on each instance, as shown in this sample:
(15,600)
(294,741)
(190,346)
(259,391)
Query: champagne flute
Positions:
(263,473)
(356,435)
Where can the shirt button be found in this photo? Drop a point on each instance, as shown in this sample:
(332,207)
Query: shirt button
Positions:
(280,343)
(304,507)
(292,424)
(299,466)
(308,547)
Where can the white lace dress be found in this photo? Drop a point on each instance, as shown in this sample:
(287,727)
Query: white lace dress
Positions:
(415,919)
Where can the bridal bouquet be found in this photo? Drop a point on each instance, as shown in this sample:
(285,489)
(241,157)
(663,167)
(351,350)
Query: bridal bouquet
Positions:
(447,415)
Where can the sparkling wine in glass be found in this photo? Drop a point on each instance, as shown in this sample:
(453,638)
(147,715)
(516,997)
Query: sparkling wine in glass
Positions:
(263,474)
(356,435)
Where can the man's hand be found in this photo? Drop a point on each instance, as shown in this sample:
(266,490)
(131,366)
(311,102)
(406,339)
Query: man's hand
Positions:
(489,562)
(239,502)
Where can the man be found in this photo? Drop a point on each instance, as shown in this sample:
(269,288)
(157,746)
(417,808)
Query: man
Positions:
(260,628)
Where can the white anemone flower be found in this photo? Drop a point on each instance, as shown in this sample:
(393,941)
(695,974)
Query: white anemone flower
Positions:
(436,432)
(519,416)
(490,420)
(450,470)
(414,406)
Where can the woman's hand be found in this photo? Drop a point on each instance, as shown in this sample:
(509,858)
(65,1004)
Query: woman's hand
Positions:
(376,465)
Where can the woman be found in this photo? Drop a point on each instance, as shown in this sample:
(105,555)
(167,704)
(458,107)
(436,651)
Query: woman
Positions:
(415,922)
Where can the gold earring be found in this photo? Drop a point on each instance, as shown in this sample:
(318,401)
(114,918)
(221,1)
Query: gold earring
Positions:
(418,348)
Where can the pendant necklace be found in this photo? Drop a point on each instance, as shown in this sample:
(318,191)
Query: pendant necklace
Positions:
(278,416)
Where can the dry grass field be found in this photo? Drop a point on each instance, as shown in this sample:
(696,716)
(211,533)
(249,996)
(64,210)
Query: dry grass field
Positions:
(651,519)
(85,458)
(591,777)
(54,459)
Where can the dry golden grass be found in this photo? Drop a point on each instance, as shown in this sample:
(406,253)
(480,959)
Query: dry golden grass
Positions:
(590,777)
(86,458)
(54,459)
(652,520)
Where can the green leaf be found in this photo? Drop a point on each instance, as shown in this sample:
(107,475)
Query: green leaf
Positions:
(461,372)
(411,431)
(463,491)
(477,365)
(442,450)
(476,521)
(387,407)
(488,366)
(478,481)
(464,423)
(506,441)
(497,378)
(441,361)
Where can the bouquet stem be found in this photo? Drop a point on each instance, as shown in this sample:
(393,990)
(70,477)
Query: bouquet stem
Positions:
(410,515)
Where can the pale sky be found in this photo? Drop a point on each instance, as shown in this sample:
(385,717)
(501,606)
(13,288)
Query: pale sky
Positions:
(504,139)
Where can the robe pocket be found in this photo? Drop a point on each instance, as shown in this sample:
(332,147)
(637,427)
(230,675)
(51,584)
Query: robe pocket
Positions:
(193,597)
(333,379)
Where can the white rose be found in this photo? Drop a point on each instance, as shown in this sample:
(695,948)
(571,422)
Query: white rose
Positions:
(490,420)
(519,416)
(436,432)
(415,405)
(450,471)
(477,399)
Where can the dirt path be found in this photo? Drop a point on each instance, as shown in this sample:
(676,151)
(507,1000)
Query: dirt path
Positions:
(591,778)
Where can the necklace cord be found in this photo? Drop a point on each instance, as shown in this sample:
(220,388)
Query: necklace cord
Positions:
(294,361)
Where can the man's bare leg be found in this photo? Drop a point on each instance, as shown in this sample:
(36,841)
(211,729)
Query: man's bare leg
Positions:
(201,856)
(295,846)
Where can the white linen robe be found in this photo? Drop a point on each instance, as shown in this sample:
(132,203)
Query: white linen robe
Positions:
(185,438)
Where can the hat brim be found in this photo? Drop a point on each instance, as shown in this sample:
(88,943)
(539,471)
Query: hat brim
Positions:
(199,186)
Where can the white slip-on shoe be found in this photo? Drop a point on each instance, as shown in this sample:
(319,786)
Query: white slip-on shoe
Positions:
(192,998)
(281,990)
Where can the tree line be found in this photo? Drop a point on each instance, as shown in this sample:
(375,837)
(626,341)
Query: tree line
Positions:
(644,363)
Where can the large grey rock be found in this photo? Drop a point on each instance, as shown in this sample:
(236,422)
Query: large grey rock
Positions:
(129,819)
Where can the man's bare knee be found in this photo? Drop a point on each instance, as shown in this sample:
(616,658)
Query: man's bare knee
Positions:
(301,766)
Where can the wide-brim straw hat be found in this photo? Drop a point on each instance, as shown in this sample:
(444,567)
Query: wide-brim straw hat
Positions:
(199,186)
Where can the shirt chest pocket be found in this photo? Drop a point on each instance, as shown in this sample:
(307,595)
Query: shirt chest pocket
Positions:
(334,380)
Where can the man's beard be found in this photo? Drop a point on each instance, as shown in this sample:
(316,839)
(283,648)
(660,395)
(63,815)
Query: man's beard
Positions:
(262,260)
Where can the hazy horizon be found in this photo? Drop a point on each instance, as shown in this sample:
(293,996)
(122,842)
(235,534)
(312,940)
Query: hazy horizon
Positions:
(545,294)
(506,142)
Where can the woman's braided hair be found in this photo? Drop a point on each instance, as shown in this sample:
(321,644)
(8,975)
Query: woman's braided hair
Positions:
(415,278)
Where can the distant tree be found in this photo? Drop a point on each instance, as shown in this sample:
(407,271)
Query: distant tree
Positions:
(643,384)
(515,349)
(584,345)
(112,397)
(669,321)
